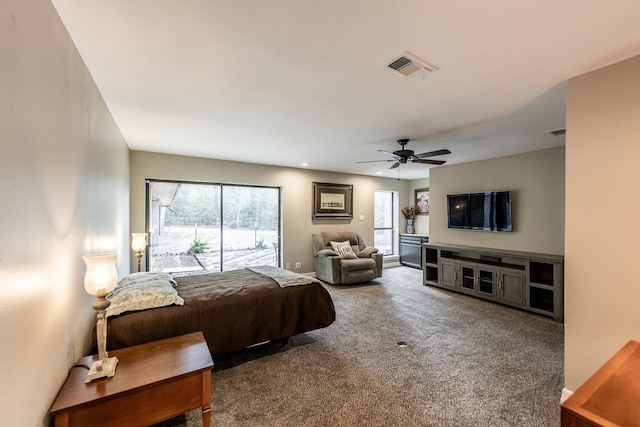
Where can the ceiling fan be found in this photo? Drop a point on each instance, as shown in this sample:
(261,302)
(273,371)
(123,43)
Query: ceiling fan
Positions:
(403,156)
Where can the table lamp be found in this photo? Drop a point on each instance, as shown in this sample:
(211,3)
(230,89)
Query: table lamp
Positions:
(100,279)
(138,244)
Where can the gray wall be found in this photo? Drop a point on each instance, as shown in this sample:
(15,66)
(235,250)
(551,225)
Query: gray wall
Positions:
(603,211)
(64,192)
(537,183)
(296,187)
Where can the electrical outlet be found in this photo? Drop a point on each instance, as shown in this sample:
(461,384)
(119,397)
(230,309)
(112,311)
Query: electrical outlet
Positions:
(288,266)
(298,265)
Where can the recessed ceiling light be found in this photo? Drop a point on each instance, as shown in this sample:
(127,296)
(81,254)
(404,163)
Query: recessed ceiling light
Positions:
(378,173)
(305,164)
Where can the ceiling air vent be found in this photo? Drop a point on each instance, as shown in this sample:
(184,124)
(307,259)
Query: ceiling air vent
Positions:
(558,132)
(409,65)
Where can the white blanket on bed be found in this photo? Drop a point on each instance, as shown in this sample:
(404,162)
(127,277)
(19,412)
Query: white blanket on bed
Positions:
(282,277)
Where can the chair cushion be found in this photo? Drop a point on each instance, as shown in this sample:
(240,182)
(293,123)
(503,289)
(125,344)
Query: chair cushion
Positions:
(357,270)
(358,264)
(343,249)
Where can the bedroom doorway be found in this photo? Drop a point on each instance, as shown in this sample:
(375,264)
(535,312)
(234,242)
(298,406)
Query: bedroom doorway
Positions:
(198,227)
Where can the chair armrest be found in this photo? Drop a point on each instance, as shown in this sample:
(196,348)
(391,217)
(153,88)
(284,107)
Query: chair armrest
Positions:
(367,252)
(378,259)
(328,268)
(326,253)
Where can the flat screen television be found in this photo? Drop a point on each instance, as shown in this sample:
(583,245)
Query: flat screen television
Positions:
(486,211)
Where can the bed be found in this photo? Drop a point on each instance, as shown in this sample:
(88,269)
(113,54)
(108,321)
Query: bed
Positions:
(234,309)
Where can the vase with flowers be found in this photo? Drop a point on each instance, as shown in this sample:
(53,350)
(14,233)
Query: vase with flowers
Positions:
(410,213)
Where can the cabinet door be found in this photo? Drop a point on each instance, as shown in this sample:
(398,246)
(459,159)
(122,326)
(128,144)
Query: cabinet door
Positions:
(468,279)
(477,280)
(487,283)
(448,274)
(512,287)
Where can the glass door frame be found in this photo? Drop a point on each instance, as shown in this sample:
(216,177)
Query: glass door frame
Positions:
(148,206)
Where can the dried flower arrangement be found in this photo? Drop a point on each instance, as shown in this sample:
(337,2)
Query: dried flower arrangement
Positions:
(410,212)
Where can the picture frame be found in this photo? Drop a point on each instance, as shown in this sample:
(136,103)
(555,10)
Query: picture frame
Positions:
(332,201)
(422,200)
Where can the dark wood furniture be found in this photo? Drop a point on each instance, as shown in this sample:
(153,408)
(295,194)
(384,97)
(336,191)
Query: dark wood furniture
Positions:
(610,397)
(153,382)
(526,280)
(411,249)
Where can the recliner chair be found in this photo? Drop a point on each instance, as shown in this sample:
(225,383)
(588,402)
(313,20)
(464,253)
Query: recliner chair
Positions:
(335,269)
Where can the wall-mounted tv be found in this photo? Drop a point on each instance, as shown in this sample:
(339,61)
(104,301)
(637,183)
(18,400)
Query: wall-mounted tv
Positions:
(487,211)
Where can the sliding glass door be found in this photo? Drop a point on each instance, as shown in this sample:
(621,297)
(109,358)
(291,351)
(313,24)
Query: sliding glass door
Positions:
(197,227)
(251,226)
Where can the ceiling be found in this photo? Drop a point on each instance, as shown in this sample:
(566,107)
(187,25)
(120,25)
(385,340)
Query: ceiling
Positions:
(283,82)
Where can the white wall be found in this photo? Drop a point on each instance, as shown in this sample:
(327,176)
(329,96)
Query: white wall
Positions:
(296,195)
(602,291)
(537,185)
(64,192)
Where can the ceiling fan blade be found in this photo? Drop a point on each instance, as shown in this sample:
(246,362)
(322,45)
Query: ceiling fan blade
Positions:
(395,156)
(395,165)
(374,161)
(432,153)
(430,162)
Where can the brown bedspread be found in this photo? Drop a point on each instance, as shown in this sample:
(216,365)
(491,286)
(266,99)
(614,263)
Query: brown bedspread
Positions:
(233,309)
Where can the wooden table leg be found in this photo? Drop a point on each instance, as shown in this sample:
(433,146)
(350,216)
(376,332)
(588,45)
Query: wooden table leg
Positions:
(206,416)
(206,398)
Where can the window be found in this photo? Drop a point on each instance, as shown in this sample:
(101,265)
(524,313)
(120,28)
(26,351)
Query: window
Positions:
(211,227)
(385,221)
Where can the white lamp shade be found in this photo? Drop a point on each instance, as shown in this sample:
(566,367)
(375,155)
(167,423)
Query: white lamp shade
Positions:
(101,276)
(138,241)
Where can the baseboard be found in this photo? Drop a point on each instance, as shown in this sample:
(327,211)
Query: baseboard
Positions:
(566,393)
(390,261)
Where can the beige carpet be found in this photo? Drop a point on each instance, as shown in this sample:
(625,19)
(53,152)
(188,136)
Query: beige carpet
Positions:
(461,362)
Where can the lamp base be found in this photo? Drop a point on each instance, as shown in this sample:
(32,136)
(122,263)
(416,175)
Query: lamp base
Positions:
(108,369)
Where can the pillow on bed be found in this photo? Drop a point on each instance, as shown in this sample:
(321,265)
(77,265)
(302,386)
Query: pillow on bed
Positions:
(140,291)
(343,249)
(135,279)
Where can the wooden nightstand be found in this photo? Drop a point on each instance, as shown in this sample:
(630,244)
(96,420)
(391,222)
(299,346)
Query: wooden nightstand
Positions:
(610,397)
(153,382)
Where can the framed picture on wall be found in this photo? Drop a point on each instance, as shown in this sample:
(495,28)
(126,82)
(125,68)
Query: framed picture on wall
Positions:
(332,201)
(422,200)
